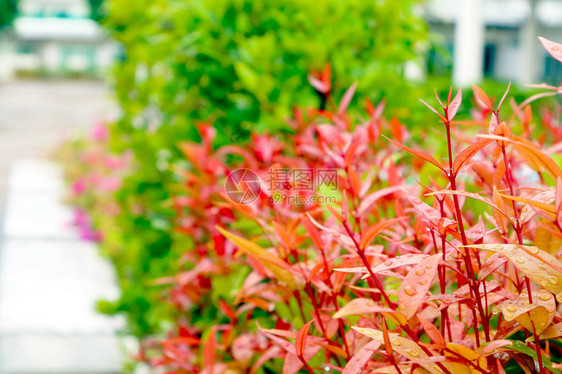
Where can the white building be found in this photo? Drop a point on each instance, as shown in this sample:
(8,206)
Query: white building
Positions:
(498,38)
(54,37)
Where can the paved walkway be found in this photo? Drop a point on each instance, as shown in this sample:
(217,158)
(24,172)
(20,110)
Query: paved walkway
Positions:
(49,279)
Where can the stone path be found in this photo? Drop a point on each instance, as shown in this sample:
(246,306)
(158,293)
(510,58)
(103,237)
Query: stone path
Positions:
(49,279)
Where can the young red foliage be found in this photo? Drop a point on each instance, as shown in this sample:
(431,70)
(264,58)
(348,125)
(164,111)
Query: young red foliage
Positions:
(464,261)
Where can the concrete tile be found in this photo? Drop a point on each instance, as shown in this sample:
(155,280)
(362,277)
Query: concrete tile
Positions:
(37,215)
(59,354)
(52,287)
(35,175)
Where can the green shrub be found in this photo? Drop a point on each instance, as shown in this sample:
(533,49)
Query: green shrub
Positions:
(240,65)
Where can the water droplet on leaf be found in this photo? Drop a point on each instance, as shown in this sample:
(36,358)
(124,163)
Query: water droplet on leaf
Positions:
(413,353)
(409,290)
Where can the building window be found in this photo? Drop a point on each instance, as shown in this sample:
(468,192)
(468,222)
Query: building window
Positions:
(26,49)
(489,59)
(552,71)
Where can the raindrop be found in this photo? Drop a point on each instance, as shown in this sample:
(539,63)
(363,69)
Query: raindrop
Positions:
(559,297)
(423,282)
(533,250)
(544,283)
(511,308)
(413,353)
(388,263)
(409,290)
(508,315)
(420,272)
(545,296)
(519,260)
(395,342)
(553,280)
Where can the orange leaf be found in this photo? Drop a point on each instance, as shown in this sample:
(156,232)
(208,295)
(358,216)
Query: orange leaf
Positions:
(501,220)
(530,150)
(553,331)
(421,154)
(369,234)
(368,306)
(432,331)
(534,317)
(403,346)
(547,208)
(468,153)
(433,109)
(454,106)
(540,266)
(271,261)
(300,342)
(482,97)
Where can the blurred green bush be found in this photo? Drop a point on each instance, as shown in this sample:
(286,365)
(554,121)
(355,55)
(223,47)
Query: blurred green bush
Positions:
(240,65)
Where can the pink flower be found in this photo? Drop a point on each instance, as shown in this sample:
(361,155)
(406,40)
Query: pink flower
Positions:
(100,132)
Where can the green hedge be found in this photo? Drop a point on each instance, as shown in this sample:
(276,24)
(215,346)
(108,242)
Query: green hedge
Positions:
(240,65)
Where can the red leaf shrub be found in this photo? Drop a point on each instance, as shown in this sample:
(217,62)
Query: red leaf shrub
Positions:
(450,264)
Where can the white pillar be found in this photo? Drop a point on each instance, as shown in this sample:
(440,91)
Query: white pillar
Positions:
(104,55)
(469,42)
(529,47)
(51,57)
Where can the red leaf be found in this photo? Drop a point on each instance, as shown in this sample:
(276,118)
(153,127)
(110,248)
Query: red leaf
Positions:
(209,350)
(491,264)
(454,106)
(373,231)
(468,153)
(318,84)
(343,239)
(504,96)
(433,109)
(482,97)
(366,306)
(558,201)
(421,154)
(300,342)
(432,331)
(292,364)
(356,364)
(344,103)
(555,49)
(414,288)
(368,201)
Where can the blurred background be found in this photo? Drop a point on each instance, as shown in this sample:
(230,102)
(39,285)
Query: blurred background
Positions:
(152,69)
